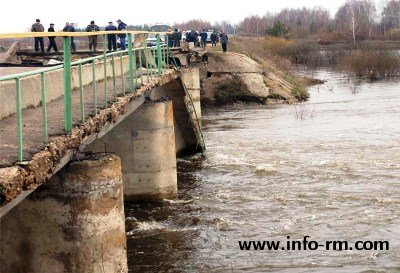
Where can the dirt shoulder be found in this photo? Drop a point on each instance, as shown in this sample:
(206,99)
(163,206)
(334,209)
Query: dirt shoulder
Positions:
(250,74)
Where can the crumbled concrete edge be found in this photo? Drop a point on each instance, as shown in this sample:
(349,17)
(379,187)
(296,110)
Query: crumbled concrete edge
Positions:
(14,180)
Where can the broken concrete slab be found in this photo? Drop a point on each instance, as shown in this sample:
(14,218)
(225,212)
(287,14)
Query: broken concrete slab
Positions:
(10,56)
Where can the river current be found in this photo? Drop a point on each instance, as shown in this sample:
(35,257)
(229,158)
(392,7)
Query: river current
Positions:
(328,169)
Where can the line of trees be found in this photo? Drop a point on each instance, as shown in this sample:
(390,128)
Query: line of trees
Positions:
(198,24)
(356,19)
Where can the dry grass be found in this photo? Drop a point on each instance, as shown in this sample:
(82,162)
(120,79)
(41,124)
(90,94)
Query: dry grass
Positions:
(393,34)
(256,49)
(372,64)
(303,111)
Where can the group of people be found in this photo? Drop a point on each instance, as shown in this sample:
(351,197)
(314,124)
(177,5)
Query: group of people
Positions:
(92,27)
(174,39)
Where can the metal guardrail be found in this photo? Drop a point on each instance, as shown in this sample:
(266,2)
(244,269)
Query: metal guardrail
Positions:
(157,58)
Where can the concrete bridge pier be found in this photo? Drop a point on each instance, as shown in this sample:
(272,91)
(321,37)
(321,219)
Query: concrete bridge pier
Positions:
(145,141)
(191,79)
(73,223)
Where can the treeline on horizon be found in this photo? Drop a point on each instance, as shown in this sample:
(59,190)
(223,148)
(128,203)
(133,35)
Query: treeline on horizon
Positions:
(358,18)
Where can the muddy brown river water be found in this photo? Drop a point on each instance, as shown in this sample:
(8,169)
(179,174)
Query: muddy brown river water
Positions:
(332,173)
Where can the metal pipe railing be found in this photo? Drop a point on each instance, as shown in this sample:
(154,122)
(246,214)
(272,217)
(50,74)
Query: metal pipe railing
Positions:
(155,65)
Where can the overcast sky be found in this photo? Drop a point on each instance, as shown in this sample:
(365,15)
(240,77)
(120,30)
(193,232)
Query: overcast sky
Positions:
(18,16)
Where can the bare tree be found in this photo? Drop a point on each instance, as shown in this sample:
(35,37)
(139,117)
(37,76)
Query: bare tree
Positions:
(195,24)
(356,17)
(390,16)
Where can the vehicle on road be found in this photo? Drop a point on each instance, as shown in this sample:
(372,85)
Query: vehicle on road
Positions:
(151,39)
(126,41)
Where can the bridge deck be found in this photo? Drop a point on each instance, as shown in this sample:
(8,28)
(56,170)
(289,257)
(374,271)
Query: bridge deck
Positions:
(32,119)
(45,160)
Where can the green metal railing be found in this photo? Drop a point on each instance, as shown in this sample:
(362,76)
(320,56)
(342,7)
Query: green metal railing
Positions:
(156,61)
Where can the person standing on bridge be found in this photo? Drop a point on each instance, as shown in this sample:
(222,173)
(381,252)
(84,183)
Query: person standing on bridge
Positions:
(70,28)
(177,36)
(214,39)
(38,27)
(170,37)
(224,41)
(122,37)
(203,36)
(52,39)
(111,38)
(92,38)
(193,37)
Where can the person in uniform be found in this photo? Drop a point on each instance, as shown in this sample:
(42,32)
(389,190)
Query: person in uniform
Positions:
(92,38)
(224,41)
(70,28)
(203,38)
(52,39)
(122,37)
(111,38)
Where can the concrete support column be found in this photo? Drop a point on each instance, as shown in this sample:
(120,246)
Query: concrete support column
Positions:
(73,223)
(153,175)
(191,79)
(145,141)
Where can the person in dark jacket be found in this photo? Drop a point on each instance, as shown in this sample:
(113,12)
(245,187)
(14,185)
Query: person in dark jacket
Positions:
(111,38)
(93,38)
(193,37)
(52,41)
(224,41)
(177,35)
(214,39)
(170,38)
(122,37)
(203,37)
(38,27)
(70,28)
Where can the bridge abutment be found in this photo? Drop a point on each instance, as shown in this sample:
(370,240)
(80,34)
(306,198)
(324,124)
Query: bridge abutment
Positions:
(73,223)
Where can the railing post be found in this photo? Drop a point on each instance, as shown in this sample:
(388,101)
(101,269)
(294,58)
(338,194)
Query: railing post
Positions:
(113,75)
(81,94)
(67,84)
(122,73)
(167,57)
(154,52)
(94,87)
(134,65)
(140,67)
(159,57)
(19,119)
(44,107)
(130,57)
(146,54)
(105,70)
